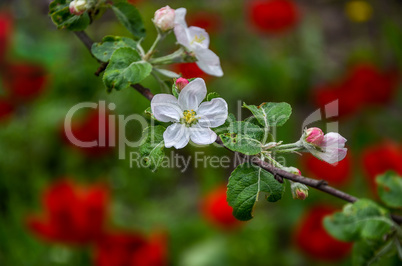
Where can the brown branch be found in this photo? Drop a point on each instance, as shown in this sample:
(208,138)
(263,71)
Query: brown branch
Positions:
(278,173)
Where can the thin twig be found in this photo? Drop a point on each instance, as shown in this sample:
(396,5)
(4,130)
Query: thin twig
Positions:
(277,172)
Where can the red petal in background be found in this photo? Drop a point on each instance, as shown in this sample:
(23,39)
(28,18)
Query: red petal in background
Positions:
(380,158)
(6,109)
(6,29)
(216,210)
(24,81)
(363,85)
(312,238)
(273,16)
(336,174)
(72,214)
(190,70)
(87,130)
(130,249)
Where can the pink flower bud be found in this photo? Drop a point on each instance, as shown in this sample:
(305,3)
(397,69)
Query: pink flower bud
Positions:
(300,194)
(292,170)
(78,7)
(314,136)
(299,191)
(181,83)
(164,18)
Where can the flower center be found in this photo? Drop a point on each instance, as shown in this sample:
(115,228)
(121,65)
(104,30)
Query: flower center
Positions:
(189,118)
(198,39)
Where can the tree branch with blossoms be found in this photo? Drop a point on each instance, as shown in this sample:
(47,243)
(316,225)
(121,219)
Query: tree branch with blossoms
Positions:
(190,113)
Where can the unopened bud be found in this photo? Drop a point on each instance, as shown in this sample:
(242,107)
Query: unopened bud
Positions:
(181,83)
(299,191)
(164,18)
(78,7)
(314,136)
(292,170)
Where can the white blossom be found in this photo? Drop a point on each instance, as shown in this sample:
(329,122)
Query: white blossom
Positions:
(331,149)
(192,118)
(196,40)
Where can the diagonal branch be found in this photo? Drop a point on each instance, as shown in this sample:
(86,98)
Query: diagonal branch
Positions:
(317,184)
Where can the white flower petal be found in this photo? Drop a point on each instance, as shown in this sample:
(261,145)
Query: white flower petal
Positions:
(202,135)
(180,16)
(182,37)
(333,139)
(176,135)
(198,36)
(192,95)
(209,62)
(165,108)
(213,113)
(333,148)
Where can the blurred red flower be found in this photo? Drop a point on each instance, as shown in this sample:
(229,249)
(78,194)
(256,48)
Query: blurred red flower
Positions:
(363,85)
(190,70)
(312,238)
(336,174)
(216,210)
(6,29)
(207,20)
(126,249)
(24,81)
(94,127)
(73,214)
(380,158)
(273,16)
(6,109)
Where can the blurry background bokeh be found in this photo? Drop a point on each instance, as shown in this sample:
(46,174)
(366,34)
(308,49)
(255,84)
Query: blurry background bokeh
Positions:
(56,198)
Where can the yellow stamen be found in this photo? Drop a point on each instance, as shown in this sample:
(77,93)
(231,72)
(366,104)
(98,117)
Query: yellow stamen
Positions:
(189,118)
(198,39)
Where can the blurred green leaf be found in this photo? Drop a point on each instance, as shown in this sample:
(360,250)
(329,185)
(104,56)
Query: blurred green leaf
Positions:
(390,189)
(104,50)
(126,67)
(129,16)
(363,219)
(271,114)
(243,137)
(152,147)
(370,252)
(245,184)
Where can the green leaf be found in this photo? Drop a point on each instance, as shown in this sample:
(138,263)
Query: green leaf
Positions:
(129,16)
(104,50)
(271,114)
(212,95)
(152,146)
(363,219)
(60,14)
(390,189)
(245,184)
(125,68)
(370,252)
(243,137)
(225,127)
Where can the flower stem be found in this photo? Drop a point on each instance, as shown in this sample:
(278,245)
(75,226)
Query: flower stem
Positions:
(179,56)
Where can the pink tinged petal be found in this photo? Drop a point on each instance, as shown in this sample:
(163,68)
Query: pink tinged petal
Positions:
(192,95)
(181,35)
(202,135)
(165,108)
(333,146)
(180,16)
(209,62)
(176,135)
(198,36)
(213,113)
